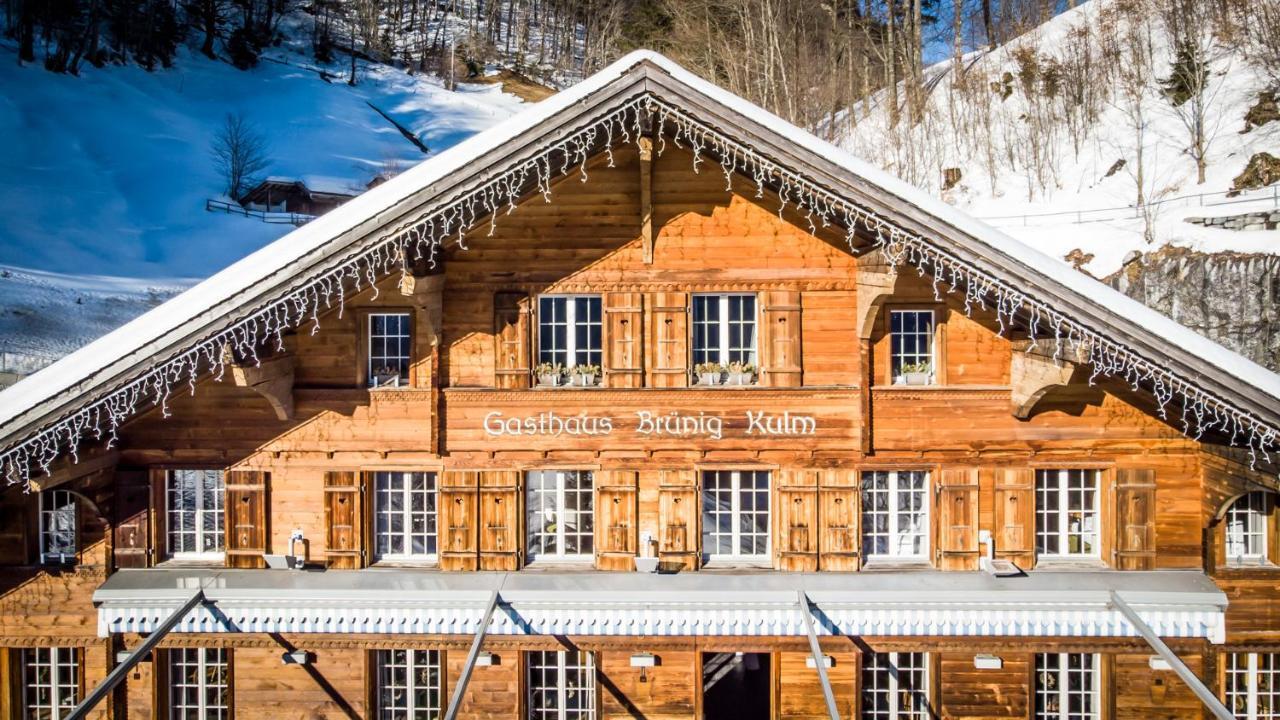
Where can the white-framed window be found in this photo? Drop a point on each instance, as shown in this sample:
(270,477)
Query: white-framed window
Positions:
(1067,513)
(735,515)
(57,526)
(199,682)
(724,328)
(410,685)
(405,516)
(195,514)
(895,686)
(562,685)
(51,680)
(1253,685)
(1246,528)
(570,330)
(390,349)
(1067,687)
(911,344)
(561,518)
(895,514)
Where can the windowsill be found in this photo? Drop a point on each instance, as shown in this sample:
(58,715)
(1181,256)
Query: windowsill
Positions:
(597,386)
(1070,563)
(561,564)
(723,563)
(877,562)
(725,386)
(1244,566)
(206,561)
(424,563)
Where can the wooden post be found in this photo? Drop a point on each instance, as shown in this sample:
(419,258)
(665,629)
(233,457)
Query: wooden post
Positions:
(646,198)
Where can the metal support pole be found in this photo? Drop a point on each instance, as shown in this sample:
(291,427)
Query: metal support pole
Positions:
(1197,686)
(460,688)
(806,611)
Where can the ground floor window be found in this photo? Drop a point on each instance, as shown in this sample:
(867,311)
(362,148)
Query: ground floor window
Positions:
(405,515)
(895,686)
(409,685)
(562,685)
(1253,685)
(735,515)
(1067,686)
(561,519)
(51,679)
(199,684)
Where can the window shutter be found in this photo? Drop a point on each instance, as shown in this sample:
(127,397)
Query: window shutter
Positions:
(159,516)
(796,528)
(499,520)
(459,533)
(1015,516)
(839,514)
(678,516)
(669,340)
(512,338)
(344,521)
(246,518)
(958,519)
(15,541)
(624,317)
(131,524)
(616,511)
(781,339)
(1135,519)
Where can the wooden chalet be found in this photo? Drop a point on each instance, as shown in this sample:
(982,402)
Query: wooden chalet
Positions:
(643,404)
(300,196)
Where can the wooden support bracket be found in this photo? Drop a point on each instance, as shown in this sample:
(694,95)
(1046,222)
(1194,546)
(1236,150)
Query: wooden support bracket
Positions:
(66,470)
(272,379)
(426,292)
(647,233)
(1033,372)
(877,279)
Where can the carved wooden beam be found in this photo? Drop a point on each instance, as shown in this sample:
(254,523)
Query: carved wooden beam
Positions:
(426,292)
(272,379)
(647,234)
(65,470)
(877,279)
(1033,372)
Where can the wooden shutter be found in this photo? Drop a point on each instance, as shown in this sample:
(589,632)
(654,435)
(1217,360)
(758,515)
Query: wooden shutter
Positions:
(159,516)
(839,514)
(958,519)
(669,340)
(246,518)
(131,520)
(1135,519)
(1015,516)
(16,533)
(624,317)
(781,339)
(678,517)
(499,520)
(457,523)
(344,521)
(796,524)
(512,339)
(616,512)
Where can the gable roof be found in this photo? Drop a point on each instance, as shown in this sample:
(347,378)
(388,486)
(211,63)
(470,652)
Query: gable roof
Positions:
(32,407)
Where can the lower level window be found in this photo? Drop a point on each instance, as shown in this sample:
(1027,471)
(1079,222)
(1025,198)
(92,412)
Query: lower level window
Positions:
(57,526)
(735,514)
(895,686)
(199,682)
(1067,687)
(52,682)
(1253,685)
(409,685)
(562,685)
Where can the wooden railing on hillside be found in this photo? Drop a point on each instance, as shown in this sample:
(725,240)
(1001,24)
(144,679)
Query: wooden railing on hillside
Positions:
(272,218)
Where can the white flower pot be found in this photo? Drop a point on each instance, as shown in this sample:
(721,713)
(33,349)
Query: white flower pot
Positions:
(709,378)
(741,378)
(584,380)
(646,564)
(917,378)
(549,380)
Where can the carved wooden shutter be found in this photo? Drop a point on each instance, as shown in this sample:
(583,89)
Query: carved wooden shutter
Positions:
(678,516)
(131,532)
(624,317)
(839,513)
(669,340)
(1015,516)
(499,520)
(796,533)
(16,533)
(344,521)
(246,518)
(1135,519)
(781,339)
(512,339)
(958,519)
(159,516)
(458,520)
(616,512)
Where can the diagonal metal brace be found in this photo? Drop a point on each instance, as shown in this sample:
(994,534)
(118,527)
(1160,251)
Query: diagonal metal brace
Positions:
(806,612)
(460,688)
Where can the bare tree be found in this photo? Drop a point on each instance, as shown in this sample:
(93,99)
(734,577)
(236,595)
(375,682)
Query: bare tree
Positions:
(1190,86)
(239,152)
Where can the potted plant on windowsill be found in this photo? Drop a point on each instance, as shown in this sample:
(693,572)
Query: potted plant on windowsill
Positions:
(584,375)
(920,373)
(742,373)
(549,374)
(385,376)
(709,373)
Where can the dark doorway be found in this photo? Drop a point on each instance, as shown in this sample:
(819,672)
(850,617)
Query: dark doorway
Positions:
(735,686)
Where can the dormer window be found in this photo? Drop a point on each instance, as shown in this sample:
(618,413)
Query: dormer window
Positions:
(390,343)
(724,339)
(569,340)
(57,527)
(1248,536)
(911,353)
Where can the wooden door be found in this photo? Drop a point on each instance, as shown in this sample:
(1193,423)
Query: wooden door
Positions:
(678,516)
(1015,516)
(780,336)
(458,523)
(512,340)
(669,340)
(616,512)
(624,356)
(131,521)
(796,533)
(1135,519)
(344,520)
(957,500)
(499,520)
(839,516)
(246,518)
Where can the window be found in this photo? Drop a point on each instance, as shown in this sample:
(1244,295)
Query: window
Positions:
(895,686)
(195,513)
(724,329)
(389,346)
(1067,686)
(1253,685)
(57,526)
(405,515)
(409,685)
(569,330)
(1246,529)
(199,679)
(51,682)
(895,514)
(1067,513)
(560,515)
(735,514)
(911,346)
(562,685)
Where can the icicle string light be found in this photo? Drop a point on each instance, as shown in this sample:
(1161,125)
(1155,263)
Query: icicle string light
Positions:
(424,236)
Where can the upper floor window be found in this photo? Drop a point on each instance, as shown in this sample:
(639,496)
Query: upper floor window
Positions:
(562,685)
(1246,528)
(1253,685)
(895,515)
(724,336)
(404,515)
(195,513)
(1067,687)
(895,686)
(569,338)
(199,683)
(1067,513)
(409,684)
(735,515)
(51,681)
(911,356)
(390,344)
(57,526)
(560,515)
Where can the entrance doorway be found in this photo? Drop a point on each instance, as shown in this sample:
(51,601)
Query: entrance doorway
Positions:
(735,686)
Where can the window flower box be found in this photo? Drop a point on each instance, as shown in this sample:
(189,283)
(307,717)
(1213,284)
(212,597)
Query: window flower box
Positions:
(386,377)
(584,375)
(741,374)
(710,373)
(549,375)
(915,374)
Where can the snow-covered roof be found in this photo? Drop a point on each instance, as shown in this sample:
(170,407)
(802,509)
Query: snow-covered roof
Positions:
(62,387)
